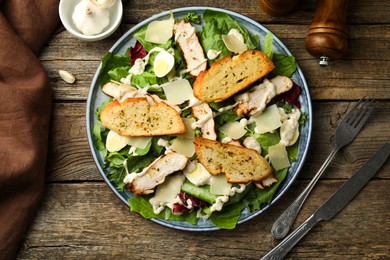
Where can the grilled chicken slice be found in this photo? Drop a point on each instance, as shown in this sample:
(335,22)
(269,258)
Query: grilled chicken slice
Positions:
(257,98)
(188,41)
(145,182)
(119,91)
(282,84)
(266,182)
(205,121)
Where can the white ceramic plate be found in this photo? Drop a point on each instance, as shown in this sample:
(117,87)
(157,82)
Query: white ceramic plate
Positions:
(96,97)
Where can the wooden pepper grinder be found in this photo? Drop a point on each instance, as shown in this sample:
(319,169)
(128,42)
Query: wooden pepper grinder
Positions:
(277,7)
(327,38)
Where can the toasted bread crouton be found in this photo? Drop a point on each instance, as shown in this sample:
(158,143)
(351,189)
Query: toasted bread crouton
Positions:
(135,117)
(228,76)
(239,164)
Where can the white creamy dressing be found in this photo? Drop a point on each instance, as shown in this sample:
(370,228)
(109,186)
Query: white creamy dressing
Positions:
(193,101)
(189,204)
(201,122)
(283,115)
(138,67)
(123,92)
(140,64)
(244,121)
(222,109)
(290,127)
(193,67)
(213,54)
(221,200)
(159,206)
(132,151)
(126,80)
(251,143)
(129,178)
(226,140)
(164,143)
(268,91)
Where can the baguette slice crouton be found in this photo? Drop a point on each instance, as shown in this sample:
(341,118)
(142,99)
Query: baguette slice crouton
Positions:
(135,117)
(239,164)
(228,76)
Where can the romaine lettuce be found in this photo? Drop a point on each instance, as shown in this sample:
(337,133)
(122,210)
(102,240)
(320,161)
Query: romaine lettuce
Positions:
(218,24)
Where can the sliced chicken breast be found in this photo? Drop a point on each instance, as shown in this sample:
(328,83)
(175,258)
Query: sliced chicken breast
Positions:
(145,182)
(205,120)
(119,91)
(257,98)
(188,41)
(266,182)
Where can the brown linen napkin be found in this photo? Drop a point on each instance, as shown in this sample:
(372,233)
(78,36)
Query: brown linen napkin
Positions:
(25,105)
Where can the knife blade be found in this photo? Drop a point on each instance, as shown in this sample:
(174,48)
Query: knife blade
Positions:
(334,204)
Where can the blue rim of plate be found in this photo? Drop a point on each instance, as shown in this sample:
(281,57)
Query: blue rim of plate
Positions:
(96,97)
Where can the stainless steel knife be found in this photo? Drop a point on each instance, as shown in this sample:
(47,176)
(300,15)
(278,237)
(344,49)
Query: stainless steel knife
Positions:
(334,204)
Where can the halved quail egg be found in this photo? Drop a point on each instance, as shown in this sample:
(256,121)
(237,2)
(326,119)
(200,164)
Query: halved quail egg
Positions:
(163,63)
(197,174)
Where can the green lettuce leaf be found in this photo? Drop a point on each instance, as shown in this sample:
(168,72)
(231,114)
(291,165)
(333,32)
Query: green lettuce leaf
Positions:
(116,63)
(284,64)
(266,140)
(218,24)
(141,205)
(268,41)
(229,215)
(193,17)
(258,198)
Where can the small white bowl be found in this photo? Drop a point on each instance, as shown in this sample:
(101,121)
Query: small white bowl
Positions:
(66,9)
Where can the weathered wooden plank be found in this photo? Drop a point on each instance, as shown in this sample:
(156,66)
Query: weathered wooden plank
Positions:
(365,42)
(70,158)
(87,220)
(359,12)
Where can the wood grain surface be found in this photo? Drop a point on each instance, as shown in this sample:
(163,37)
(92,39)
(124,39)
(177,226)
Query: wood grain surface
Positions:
(81,218)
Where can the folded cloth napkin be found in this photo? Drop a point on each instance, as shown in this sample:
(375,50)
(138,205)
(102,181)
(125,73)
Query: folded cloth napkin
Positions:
(25,103)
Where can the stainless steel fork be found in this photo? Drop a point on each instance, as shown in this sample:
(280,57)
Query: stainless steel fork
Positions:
(346,131)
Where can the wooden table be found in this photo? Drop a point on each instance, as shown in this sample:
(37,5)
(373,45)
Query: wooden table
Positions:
(80,217)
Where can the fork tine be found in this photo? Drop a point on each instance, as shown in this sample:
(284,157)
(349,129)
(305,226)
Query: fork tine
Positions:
(359,112)
(359,123)
(354,110)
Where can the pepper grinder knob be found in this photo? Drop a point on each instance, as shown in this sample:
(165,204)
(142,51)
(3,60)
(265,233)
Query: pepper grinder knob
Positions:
(327,37)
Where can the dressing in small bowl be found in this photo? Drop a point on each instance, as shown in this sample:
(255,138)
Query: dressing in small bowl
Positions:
(66,10)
